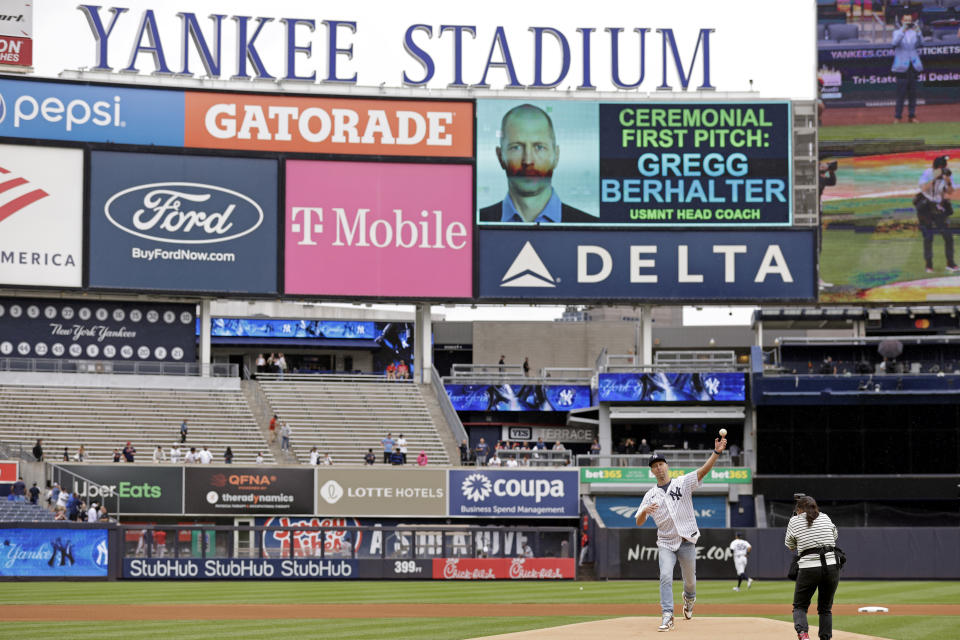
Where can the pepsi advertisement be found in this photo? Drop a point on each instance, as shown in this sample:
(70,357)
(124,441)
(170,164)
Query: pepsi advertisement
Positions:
(679,266)
(97,330)
(672,387)
(506,493)
(53,553)
(518,397)
(621,511)
(85,113)
(183,223)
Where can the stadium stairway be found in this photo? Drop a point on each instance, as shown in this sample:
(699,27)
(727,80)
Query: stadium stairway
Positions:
(103,412)
(348,414)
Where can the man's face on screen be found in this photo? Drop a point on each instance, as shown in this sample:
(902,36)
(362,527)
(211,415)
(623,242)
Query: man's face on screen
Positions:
(528,152)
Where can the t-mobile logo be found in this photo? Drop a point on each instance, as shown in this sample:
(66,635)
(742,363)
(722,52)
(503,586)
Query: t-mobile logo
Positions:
(307,227)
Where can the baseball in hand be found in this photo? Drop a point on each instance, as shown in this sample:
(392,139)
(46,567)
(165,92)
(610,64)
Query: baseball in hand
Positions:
(723,433)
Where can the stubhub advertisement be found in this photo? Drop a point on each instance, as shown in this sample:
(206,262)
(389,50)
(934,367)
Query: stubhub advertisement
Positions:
(372,229)
(87,113)
(508,493)
(182,223)
(649,265)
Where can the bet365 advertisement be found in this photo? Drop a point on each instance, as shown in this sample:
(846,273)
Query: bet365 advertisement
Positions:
(634,164)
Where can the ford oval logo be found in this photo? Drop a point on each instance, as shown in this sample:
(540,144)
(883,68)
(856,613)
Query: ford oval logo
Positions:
(183,212)
(3,108)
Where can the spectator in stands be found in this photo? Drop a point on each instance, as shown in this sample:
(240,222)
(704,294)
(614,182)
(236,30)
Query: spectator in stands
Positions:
(19,490)
(281,365)
(327,461)
(103,516)
(175,453)
(183,432)
(228,456)
(403,372)
(81,454)
(93,512)
(204,456)
(129,452)
(526,367)
(34,494)
(391,371)
(387,448)
(907,40)
(38,450)
(261,363)
(73,506)
(526,460)
(482,450)
(273,428)
(66,455)
(495,460)
(422,459)
(644,446)
(527,550)
(541,444)
(558,446)
(734,454)
(314,456)
(285,432)
(595,447)
(827,366)
(158,455)
(396,458)
(369,458)
(191,456)
(259,458)
(512,462)
(59,513)
(401,444)
(63,498)
(117,455)
(464,453)
(503,361)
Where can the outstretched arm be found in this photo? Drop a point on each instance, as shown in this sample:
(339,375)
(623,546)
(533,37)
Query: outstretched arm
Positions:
(644,511)
(718,446)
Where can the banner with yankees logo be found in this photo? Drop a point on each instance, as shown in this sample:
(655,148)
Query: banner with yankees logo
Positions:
(41,216)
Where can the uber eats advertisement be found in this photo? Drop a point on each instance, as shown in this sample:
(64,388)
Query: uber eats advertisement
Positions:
(125,488)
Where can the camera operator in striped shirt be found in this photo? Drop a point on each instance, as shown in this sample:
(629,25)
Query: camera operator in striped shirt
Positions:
(813,535)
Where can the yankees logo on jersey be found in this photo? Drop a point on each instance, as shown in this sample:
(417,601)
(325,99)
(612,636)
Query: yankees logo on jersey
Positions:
(675,493)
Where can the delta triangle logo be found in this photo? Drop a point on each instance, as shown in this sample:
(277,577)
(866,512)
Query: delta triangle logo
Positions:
(528,270)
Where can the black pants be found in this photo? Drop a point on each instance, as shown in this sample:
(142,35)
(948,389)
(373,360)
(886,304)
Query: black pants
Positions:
(935,224)
(824,581)
(906,90)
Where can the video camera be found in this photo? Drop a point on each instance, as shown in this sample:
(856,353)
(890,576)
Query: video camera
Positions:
(832,166)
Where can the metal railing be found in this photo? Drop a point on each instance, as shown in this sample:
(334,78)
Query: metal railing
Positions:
(120,367)
(331,377)
(446,408)
(532,457)
(675,361)
(104,495)
(676,458)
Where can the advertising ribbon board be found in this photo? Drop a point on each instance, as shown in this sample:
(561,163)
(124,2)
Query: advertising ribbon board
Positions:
(54,553)
(639,555)
(238,569)
(140,489)
(514,494)
(643,475)
(504,569)
(518,397)
(672,387)
(232,490)
(621,511)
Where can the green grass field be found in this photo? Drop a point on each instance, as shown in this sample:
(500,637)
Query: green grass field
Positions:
(929,133)
(480,602)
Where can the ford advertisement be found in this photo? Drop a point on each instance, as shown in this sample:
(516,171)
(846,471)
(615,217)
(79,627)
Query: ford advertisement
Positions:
(182,223)
(514,494)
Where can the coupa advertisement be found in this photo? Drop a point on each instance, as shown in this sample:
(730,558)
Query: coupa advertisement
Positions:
(183,223)
(125,488)
(634,165)
(621,511)
(41,209)
(558,264)
(672,387)
(518,397)
(90,330)
(377,229)
(514,494)
(232,490)
(53,553)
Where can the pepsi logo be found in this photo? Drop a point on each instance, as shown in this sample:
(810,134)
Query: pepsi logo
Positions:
(183,213)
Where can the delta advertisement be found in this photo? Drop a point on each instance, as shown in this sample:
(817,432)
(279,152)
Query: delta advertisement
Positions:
(59,110)
(672,387)
(16,35)
(90,330)
(557,264)
(41,215)
(248,490)
(621,511)
(54,553)
(518,397)
(183,223)
(124,488)
(643,475)
(639,555)
(378,229)
(634,165)
(382,492)
(514,494)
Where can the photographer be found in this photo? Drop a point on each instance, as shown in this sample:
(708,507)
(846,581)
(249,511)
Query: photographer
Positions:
(933,210)
(827,178)
(813,535)
(906,66)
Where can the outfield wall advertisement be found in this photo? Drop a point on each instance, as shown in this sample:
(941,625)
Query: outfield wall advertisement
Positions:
(382,492)
(41,209)
(634,165)
(248,490)
(621,511)
(125,489)
(54,552)
(643,475)
(514,494)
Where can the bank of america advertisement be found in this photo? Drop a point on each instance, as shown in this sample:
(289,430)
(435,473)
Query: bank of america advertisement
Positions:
(378,229)
(41,215)
(183,223)
(634,164)
(716,266)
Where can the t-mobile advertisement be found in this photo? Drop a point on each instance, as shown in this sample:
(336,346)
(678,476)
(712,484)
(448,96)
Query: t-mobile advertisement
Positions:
(368,229)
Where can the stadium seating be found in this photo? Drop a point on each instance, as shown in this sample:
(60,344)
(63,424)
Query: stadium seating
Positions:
(23,512)
(346,415)
(105,418)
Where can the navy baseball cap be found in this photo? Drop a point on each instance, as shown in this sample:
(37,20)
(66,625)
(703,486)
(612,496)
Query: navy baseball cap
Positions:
(656,458)
(940,161)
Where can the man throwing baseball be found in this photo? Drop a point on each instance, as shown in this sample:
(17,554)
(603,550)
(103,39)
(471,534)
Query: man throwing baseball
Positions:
(671,505)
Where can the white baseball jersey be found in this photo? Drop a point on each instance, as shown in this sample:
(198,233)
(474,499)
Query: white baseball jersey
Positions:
(740,547)
(675,518)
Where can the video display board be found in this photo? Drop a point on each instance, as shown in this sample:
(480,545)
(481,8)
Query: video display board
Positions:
(183,223)
(54,552)
(672,387)
(91,330)
(331,329)
(634,165)
(518,397)
(41,215)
